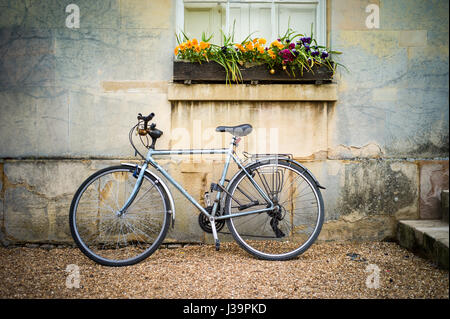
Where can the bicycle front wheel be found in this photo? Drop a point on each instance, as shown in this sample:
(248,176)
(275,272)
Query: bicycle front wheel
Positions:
(114,239)
(291,227)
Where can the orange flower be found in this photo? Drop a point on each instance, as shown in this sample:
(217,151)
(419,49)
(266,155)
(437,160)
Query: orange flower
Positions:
(189,44)
(271,54)
(204,45)
(240,47)
(197,48)
(260,50)
(249,46)
(176,49)
(194,41)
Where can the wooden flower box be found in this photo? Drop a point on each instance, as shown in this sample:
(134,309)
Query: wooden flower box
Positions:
(212,72)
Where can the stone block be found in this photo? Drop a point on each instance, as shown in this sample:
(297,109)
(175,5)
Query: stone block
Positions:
(194,123)
(379,187)
(350,14)
(412,38)
(136,14)
(100,123)
(385,94)
(27,58)
(52,13)
(364,199)
(444,205)
(26,218)
(433,179)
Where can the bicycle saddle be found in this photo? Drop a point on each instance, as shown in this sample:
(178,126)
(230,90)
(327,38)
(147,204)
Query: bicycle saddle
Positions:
(238,130)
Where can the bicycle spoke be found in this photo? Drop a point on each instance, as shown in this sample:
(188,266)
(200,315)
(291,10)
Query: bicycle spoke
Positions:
(289,228)
(119,239)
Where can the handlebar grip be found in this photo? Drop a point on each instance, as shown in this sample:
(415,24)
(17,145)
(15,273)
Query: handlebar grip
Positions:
(146,118)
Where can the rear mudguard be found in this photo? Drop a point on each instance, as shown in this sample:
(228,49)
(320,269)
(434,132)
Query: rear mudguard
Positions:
(164,185)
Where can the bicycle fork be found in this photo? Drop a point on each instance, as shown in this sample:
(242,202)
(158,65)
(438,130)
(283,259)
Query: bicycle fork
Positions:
(135,190)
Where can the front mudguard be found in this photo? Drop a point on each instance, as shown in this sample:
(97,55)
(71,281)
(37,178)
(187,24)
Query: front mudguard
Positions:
(163,184)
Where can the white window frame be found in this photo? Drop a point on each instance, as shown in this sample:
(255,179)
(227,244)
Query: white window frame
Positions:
(321,14)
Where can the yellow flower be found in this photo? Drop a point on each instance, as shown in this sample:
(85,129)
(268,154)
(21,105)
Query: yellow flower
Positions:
(277,44)
(261,50)
(262,41)
(249,46)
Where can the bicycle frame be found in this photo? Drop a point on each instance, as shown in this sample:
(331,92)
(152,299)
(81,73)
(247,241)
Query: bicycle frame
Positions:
(230,155)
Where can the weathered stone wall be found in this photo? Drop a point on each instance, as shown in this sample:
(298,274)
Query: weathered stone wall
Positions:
(69,96)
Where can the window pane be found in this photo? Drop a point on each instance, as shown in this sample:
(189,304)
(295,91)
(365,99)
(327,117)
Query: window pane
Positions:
(260,21)
(299,17)
(199,20)
(251,17)
(239,15)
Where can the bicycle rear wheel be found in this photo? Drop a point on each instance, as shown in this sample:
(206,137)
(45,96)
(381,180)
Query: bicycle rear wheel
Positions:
(112,239)
(286,231)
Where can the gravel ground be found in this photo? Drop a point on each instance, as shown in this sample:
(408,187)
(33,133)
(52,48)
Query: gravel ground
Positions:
(326,270)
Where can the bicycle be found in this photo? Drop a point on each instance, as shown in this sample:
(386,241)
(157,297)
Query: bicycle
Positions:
(272,206)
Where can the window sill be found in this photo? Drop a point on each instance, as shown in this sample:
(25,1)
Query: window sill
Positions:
(249,92)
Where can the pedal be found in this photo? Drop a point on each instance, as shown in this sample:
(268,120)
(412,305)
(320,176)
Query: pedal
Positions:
(213,228)
(217,243)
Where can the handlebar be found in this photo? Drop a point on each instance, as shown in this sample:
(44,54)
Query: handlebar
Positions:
(146,119)
(152,130)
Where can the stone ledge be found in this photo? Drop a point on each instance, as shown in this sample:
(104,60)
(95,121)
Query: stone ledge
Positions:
(429,238)
(248,92)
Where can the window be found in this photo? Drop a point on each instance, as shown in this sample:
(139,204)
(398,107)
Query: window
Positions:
(266,18)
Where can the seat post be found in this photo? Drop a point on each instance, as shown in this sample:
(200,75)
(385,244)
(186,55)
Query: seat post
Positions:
(233,143)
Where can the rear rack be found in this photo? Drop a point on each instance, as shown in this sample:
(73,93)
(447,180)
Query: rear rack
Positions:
(252,158)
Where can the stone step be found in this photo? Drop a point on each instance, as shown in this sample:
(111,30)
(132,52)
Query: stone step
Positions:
(428,238)
(444,205)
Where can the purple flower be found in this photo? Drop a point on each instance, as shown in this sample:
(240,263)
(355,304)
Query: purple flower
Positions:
(324,54)
(287,55)
(306,45)
(315,53)
(291,46)
(287,40)
(306,40)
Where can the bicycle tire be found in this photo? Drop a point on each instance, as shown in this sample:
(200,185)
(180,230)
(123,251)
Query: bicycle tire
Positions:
(263,245)
(80,233)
